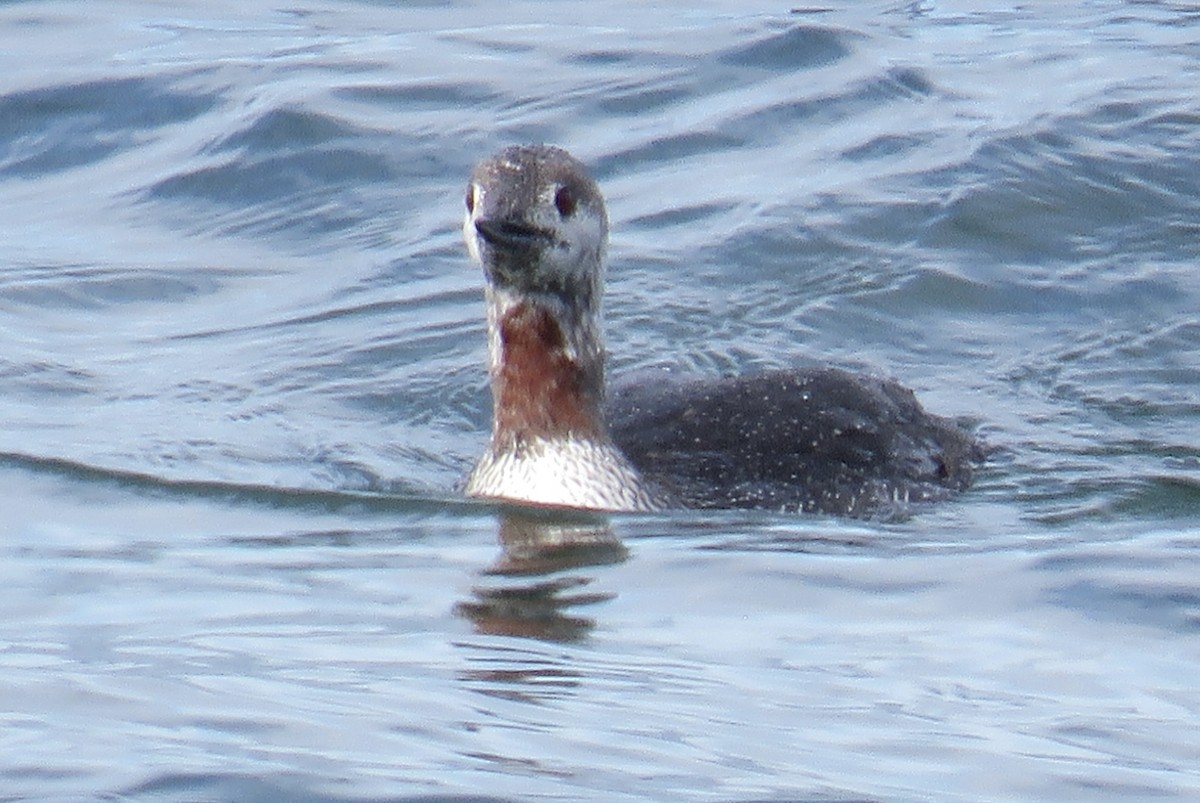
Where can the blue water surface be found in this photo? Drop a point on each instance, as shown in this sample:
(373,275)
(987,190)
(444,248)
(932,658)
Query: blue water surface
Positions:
(242,375)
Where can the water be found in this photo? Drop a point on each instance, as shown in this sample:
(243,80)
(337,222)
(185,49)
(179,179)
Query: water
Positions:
(242,373)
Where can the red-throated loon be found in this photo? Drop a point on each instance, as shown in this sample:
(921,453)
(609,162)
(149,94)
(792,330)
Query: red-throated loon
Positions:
(814,440)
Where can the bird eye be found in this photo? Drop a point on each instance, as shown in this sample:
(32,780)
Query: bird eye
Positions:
(565,201)
(470,200)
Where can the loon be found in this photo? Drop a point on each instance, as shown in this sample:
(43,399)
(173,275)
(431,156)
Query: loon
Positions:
(821,440)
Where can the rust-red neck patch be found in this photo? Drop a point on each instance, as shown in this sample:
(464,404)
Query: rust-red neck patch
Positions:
(541,389)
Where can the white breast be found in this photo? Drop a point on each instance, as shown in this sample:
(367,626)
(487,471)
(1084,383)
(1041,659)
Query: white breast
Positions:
(567,472)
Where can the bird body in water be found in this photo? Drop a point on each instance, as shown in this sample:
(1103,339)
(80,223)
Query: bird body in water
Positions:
(815,440)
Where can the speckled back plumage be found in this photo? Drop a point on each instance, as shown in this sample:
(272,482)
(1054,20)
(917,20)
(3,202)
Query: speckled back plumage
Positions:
(813,440)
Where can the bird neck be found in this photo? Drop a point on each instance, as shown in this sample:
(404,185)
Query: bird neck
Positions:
(546,362)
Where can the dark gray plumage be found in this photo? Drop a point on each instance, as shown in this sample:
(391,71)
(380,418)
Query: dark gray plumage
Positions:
(814,440)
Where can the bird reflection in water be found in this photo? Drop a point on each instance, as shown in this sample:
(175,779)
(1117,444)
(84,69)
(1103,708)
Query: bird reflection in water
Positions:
(533,590)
